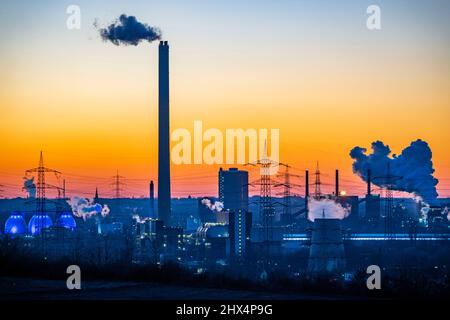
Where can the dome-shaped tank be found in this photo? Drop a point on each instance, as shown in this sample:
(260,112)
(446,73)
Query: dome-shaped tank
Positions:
(67,221)
(15,224)
(38,222)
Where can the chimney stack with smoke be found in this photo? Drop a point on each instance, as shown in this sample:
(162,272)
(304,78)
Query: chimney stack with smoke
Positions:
(164,209)
(128,31)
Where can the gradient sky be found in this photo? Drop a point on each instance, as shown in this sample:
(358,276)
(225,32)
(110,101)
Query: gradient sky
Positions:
(310,68)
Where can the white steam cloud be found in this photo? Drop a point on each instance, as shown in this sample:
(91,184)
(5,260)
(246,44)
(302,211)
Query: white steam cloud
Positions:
(86,208)
(413,168)
(446,211)
(424,212)
(216,206)
(326,209)
(139,219)
(29,186)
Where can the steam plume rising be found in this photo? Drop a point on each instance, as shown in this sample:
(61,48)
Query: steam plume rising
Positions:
(30,187)
(446,211)
(413,165)
(85,208)
(139,219)
(217,206)
(326,209)
(128,31)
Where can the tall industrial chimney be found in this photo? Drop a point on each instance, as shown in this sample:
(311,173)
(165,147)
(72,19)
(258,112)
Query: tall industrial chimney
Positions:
(164,211)
(152,200)
(337,183)
(369,182)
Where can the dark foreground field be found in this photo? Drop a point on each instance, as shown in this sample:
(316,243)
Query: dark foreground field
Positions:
(32,289)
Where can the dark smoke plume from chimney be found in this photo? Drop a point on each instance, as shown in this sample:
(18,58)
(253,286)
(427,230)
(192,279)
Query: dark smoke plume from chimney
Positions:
(413,165)
(128,31)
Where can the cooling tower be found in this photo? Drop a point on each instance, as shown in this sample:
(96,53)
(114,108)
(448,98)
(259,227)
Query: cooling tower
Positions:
(326,254)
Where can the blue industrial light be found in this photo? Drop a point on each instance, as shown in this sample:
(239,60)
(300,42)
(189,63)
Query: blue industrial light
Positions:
(15,224)
(38,222)
(67,221)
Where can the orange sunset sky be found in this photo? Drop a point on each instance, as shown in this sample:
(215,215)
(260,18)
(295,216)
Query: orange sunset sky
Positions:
(319,75)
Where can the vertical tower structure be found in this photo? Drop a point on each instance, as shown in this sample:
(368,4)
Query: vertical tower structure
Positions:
(317,183)
(266,209)
(306,192)
(336,184)
(233,189)
(41,219)
(152,199)
(164,210)
(327,255)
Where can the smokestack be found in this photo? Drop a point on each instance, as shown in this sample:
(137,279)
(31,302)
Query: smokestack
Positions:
(306,191)
(337,183)
(152,200)
(163,136)
(369,182)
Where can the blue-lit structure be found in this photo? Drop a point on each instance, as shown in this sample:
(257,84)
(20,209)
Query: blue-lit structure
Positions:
(15,224)
(38,222)
(377,237)
(66,220)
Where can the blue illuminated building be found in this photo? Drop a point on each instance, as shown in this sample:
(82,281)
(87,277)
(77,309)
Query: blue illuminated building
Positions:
(15,225)
(66,220)
(38,222)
